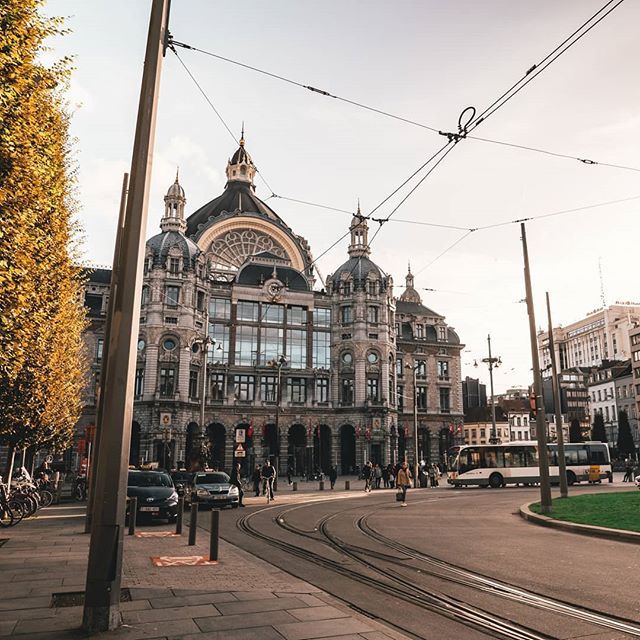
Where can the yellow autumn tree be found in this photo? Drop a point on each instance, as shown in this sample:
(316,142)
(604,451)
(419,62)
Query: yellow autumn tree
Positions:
(41,309)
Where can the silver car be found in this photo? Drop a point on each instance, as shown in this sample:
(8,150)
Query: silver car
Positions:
(212,488)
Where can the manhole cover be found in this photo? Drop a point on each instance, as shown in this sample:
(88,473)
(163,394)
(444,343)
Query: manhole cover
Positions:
(75,598)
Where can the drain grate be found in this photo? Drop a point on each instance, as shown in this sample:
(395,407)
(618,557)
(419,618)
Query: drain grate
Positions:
(76,598)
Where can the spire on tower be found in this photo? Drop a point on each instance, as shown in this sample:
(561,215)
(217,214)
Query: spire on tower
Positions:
(359,235)
(174,202)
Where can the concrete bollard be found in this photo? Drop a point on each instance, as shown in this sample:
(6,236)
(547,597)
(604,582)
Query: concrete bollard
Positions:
(295,486)
(193,523)
(214,535)
(180,514)
(321,488)
(347,485)
(133,512)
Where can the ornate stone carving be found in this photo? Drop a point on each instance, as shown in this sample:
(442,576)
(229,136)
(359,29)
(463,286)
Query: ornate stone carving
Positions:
(230,250)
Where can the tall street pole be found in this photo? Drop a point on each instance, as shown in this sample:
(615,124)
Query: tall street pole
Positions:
(104,571)
(494,433)
(541,435)
(562,463)
(203,393)
(114,286)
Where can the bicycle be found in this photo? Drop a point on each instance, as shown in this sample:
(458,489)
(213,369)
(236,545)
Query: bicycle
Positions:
(269,489)
(11,510)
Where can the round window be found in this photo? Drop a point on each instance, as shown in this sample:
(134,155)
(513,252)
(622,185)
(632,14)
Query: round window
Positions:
(169,344)
(372,357)
(347,358)
(141,344)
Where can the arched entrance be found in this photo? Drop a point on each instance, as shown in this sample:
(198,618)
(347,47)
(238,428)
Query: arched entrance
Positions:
(216,437)
(424,444)
(134,446)
(191,452)
(445,442)
(322,448)
(347,449)
(297,449)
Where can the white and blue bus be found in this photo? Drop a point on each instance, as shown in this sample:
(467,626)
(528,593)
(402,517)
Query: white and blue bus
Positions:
(496,465)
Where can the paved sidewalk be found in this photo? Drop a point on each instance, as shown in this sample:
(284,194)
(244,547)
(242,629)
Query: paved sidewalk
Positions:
(242,597)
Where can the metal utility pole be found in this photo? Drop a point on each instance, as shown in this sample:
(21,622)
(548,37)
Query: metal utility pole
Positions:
(543,457)
(104,571)
(562,463)
(416,463)
(203,393)
(492,362)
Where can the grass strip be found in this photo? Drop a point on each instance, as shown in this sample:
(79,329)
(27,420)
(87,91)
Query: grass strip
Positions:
(612,510)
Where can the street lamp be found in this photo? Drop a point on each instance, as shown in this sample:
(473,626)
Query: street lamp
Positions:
(278,363)
(492,363)
(414,369)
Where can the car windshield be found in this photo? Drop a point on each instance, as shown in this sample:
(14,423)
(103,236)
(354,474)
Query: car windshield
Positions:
(149,479)
(182,476)
(211,478)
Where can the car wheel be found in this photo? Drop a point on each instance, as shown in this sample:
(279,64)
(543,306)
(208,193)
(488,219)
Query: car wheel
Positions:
(571,478)
(495,481)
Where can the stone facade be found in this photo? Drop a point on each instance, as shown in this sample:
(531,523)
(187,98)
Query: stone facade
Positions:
(307,377)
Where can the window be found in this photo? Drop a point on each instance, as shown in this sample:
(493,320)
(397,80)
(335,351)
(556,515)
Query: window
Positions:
(399,367)
(322,317)
(442,334)
(167,381)
(636,356)
(245,387)
(270,344)
(246,345)
(421,397)
(443,369)
(322,390)
(193,384)
(200,300)
(420,331)
(172,295)
(248,311)
(297,389)
(599,395)
(347,391)
(372,357)
(219,309)
(421,369)
(397,328)
(445,398)
(138,388)
(400,394)
(174,266)
(216,386)
(346,358)
(147,265)
(297,348)
(99,348)
(372,315)
(346,318)
(269,388)
(373,390)
(170,320)
(169,344)
(145,295)
(272,313)
(297,316)
(321,349)
(345,288)
(372,287)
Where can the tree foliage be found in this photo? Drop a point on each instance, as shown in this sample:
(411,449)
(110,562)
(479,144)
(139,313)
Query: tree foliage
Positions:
(625,443)
(41,311)
(598,432)
(575,433)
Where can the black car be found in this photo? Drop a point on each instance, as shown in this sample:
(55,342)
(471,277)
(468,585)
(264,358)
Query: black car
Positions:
(156,494)
(212,488)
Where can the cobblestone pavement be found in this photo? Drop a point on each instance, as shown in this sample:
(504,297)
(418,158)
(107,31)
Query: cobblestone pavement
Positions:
(241,597)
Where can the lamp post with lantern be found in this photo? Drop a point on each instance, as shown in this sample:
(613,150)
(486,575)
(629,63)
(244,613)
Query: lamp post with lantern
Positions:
(492,362)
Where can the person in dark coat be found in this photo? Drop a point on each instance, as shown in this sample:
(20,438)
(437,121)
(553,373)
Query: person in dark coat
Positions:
(256,476)
(333,476)
(366,474)
(236,481)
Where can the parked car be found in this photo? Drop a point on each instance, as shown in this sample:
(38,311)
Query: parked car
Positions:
(181,479)
(212,488)
(156,494)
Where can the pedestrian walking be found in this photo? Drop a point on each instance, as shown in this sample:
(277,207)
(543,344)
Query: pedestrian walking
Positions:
(333,476)
(386,473)
(377,473)
(366,474)
(290,474)
(255,478)
(403,482)
(628,471)
(236,481)
(431,471)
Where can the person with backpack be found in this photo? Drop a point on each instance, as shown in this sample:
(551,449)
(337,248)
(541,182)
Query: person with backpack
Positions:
(403,482)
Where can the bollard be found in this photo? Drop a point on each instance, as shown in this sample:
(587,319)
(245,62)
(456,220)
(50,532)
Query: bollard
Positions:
(295,486)
(180,514)
(347,485)
(193,523)
(214,534)
(133,512)
(321,485)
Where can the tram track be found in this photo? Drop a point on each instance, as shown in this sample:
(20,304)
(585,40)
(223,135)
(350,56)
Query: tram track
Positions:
(391,585)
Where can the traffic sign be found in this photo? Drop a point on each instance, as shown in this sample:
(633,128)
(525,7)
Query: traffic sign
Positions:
(240,452)
(241,435)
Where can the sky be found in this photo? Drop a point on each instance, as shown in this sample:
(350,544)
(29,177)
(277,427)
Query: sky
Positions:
(425,60)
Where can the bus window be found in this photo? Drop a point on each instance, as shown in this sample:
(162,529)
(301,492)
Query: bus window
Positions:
(531,457)
(597,454)
(492,458)
(468,460)
(514,457)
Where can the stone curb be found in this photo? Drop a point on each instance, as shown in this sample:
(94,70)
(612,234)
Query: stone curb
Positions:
(582,529)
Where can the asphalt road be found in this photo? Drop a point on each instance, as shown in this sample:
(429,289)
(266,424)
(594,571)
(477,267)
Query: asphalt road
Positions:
(405,565)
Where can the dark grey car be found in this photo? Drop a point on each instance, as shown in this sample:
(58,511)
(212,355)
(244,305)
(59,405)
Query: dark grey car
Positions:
(213,489)
(156,494)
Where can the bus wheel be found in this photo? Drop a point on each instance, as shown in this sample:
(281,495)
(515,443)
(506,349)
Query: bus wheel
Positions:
(571,478)
(495,481)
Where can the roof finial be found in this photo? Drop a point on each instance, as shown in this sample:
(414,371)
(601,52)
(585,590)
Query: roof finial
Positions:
(242,135)
(409,265)
(177,172)
(359,214)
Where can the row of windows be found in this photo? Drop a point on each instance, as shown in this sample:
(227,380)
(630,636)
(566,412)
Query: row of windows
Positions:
(421,368)
(372,288)
(346,315)
(421,398)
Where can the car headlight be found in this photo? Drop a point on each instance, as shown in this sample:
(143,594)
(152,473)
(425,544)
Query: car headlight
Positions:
(202,492)
(173,498)
(233,490)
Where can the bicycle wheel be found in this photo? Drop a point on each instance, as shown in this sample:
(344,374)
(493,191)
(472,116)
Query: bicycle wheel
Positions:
(6,516)
(46,497)
(17,510)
